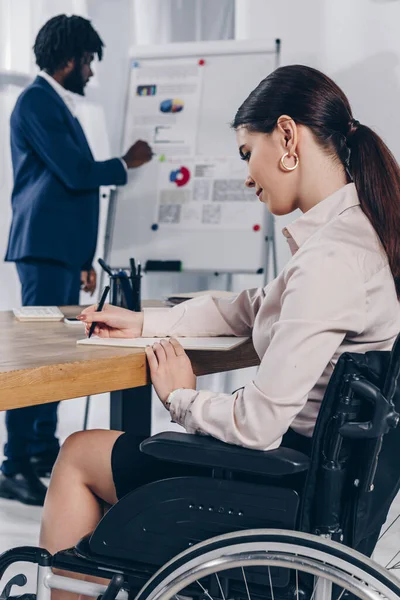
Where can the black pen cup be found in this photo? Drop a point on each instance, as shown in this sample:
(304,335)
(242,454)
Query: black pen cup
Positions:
(126,291)
(136,292)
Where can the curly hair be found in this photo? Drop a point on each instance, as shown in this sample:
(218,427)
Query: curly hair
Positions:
(64,38)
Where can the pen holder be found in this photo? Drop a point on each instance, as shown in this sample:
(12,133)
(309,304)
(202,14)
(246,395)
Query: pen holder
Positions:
(136,292)
(126,291)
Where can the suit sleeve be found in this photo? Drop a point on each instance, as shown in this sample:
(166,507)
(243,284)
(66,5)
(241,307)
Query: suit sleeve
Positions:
(44,127)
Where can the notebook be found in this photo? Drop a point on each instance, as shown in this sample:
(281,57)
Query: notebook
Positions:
(189,343)
(38,313)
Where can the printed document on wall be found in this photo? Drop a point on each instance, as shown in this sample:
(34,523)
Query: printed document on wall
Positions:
(203,193)
(165,105)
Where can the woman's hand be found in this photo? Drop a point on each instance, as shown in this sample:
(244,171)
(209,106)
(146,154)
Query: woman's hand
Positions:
(113,321)
(170,368)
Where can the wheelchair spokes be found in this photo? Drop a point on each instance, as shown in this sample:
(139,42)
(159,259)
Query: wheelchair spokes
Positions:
(321,589)
(393,563)
(255,566)
(220,587)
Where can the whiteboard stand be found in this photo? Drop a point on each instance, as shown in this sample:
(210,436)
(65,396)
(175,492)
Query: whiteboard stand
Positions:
(270,219)
(110,219)
(232,69)
(270,248)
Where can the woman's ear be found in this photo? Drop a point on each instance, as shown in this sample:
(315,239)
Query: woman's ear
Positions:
(287,129)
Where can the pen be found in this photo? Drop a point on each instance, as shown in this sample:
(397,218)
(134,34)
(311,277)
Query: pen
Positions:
(136,287)
(133,267)
(105,267)
(125,289)
(99,307)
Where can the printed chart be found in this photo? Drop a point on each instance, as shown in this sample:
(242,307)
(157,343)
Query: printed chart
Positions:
(200,193)
(165,107)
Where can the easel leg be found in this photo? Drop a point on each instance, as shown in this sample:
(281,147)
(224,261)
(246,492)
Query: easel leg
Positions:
(270,248)
(273,243)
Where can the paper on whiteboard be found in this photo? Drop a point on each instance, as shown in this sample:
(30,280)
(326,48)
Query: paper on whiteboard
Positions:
(201,193)
(165,107)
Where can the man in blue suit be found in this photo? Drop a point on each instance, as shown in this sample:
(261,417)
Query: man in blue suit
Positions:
(55,204)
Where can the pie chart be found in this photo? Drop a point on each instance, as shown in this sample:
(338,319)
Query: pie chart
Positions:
(180,177)
(172,106)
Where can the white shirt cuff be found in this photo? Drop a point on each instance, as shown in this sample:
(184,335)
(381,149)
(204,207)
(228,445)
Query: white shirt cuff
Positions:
(180,401)
(124,164)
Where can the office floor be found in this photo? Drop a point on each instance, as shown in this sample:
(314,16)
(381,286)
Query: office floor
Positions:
(19,524)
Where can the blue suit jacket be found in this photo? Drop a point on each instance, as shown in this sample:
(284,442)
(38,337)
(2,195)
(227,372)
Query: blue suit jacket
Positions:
(55,199)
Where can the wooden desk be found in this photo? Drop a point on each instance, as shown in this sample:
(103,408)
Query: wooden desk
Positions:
(40,363)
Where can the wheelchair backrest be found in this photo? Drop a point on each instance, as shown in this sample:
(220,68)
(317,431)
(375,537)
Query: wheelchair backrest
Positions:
(353,481)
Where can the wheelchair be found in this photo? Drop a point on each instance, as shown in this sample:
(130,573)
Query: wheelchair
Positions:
(286,524)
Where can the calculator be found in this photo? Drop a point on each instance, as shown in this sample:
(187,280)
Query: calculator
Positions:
(38,313)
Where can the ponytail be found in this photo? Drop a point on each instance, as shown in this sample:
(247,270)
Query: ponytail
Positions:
(376,175)
(312,99)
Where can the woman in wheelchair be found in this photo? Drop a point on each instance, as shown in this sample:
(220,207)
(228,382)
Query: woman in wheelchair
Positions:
(338,293)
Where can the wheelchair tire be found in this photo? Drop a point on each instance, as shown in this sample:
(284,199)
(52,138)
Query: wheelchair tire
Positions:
(326,560)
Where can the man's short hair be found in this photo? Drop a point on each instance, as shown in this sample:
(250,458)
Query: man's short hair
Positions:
(64,38)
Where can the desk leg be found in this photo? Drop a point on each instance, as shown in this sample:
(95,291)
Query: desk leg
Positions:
(130,410)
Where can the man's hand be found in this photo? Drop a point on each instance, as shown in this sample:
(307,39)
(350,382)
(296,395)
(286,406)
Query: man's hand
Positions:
(88,281)
(138,154)
(170,368)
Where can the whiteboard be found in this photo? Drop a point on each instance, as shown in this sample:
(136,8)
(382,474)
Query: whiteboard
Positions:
(231,70)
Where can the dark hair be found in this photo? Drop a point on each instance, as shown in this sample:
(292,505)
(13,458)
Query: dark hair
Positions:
(312,99)
(64,38)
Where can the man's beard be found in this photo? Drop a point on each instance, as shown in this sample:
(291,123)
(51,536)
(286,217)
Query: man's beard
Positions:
(74,81)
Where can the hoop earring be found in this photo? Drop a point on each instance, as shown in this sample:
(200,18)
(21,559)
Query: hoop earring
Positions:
(285,167)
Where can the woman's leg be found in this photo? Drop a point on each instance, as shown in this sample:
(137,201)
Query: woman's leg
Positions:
(81,479)
(80,484)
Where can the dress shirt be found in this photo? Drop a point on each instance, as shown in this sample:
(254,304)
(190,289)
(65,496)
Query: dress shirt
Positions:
(336,294)
(66,96)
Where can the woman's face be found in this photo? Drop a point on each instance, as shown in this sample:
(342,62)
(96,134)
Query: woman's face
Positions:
(274,186)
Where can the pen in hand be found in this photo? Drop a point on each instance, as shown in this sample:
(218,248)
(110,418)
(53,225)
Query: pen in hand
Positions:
(99,308)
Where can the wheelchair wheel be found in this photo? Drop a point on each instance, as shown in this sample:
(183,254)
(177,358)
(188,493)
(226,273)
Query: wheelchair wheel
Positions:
(270,564)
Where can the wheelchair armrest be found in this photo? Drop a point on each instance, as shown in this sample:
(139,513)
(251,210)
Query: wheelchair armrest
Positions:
(209,452)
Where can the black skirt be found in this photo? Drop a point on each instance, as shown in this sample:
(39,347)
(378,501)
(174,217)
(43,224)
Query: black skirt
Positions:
(132,469)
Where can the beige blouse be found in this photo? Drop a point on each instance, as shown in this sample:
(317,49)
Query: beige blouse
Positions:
(336,294)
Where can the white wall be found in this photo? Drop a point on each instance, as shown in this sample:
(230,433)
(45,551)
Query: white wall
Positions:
(164,21)
(356,42)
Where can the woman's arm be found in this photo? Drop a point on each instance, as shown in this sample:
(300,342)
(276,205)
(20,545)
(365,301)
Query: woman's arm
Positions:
(324,301)
(205,316)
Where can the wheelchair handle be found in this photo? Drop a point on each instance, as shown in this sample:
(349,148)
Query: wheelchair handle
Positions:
(384,418)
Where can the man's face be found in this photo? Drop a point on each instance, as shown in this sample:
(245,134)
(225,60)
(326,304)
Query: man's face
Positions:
(77,79)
